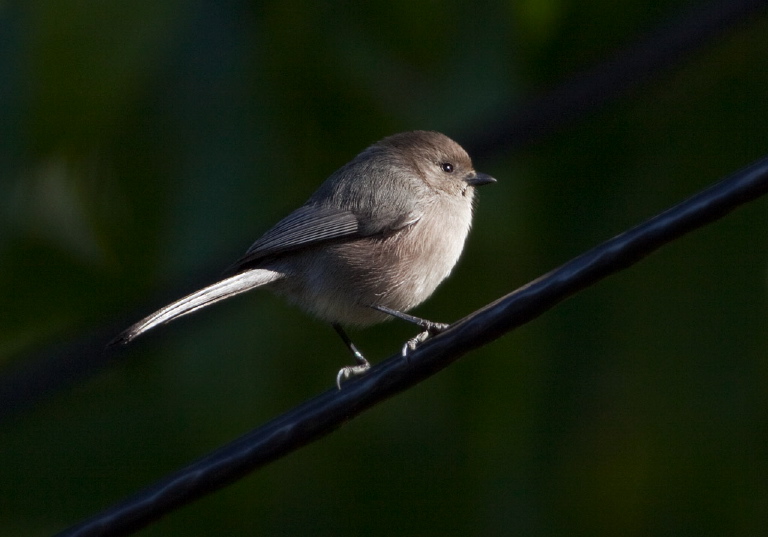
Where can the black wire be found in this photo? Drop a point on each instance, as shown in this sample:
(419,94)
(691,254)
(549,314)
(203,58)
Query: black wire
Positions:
(330,410)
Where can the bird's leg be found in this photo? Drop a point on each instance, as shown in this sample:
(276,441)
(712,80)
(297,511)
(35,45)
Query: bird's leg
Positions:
(430,328)
(351,370)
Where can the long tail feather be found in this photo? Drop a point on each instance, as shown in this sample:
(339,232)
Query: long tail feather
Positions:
(234,285)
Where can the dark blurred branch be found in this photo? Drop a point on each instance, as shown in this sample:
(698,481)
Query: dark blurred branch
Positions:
(661,50)
(52,369)
(325,413)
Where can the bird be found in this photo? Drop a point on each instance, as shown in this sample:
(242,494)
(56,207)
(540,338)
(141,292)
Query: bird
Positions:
(371,243)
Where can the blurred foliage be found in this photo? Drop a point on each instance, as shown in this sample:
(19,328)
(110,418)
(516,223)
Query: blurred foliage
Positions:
(144,145)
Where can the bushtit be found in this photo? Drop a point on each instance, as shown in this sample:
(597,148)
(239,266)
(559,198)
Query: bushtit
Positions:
(372,242)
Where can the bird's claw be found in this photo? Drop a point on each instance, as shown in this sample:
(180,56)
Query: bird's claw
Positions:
(432,330)
(346,373)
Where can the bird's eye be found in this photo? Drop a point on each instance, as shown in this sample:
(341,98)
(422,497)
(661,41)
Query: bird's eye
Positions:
(447,167)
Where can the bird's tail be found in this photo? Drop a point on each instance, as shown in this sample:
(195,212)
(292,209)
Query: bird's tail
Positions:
(234,285)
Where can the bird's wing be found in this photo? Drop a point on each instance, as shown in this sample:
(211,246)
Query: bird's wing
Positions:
(322,220)
(306,226)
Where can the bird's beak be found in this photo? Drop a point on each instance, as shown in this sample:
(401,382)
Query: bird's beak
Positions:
(480,179)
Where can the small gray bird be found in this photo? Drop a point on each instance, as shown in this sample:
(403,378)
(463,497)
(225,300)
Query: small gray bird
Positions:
(372,242)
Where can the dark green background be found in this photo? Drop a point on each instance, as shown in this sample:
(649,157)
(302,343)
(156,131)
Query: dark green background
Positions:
(145,144)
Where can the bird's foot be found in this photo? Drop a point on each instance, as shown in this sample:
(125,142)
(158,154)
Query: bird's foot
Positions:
(345,373)
(432,329)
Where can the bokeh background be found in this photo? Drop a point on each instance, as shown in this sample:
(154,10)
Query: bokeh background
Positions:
(144,145)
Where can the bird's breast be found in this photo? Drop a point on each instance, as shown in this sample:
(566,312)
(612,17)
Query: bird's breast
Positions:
(340,282)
